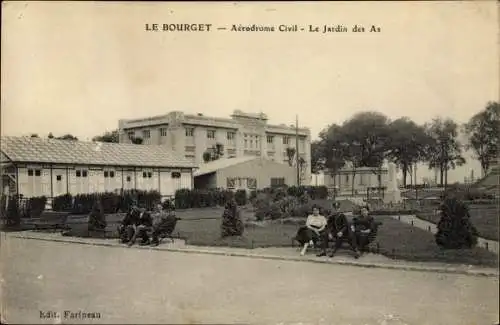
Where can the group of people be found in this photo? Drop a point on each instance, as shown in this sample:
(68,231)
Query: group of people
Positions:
(320,230)
(139,223)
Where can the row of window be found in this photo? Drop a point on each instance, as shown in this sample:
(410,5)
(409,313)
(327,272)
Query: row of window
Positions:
(250,183)
(146,134)
(107,174)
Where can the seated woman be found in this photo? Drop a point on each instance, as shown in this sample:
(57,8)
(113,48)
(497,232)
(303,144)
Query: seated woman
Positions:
(364,228)
(311,233)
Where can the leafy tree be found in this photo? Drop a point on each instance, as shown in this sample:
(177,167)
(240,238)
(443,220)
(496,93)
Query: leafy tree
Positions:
(290,153)
(445,151)
(50,136)
(112,137)
(67,137)
(455,230)
(408,144)
(317,161)
(483,130)
(330,151)
(136,140)
(34,135)
(214,153)
(365,139)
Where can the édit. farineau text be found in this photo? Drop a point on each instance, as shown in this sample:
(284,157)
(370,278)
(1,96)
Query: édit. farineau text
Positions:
(178,27)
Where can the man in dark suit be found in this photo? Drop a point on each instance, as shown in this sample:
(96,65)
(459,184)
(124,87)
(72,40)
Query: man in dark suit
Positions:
(339,231)
(127,228)
(143,225)
(364,228)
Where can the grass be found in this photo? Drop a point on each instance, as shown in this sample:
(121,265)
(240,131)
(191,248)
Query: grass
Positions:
(395,239)
(483,217)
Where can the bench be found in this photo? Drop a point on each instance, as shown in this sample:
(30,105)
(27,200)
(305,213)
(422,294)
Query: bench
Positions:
(50,220)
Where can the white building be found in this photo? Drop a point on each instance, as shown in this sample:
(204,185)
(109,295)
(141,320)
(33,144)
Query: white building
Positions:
(242,135)
(50,167)
(365,182)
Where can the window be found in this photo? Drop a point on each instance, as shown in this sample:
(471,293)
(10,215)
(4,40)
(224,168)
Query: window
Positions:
(277,181)
(150,174)
(270,139)
(111,174)
(190,156)
(176,175)
(146,134)
(128,179)
(190,148)
(231,182)
(38,172)
(131,134)
(78,173)
(144,175)
(189,132)
(379,178)
(361,179)
(286,140)
(347,178)
(252,183)
(30,172)
(251,143)
(84,173)
(105,173)
(211,134)
(246,143)
(163,132)
(230,135)
(58,177)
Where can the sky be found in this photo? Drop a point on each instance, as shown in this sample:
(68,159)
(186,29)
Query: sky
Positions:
(77,68)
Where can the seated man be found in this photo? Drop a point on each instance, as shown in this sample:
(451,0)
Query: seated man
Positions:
(338,230)
(364,228)
(127,228)
(144,224)
(164,223)
(313,230)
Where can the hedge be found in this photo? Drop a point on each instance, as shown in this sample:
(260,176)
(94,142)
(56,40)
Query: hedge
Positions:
(111,202)
(10,210)
(186,199)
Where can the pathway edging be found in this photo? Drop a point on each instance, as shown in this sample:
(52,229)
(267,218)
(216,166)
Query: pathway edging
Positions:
(211,251)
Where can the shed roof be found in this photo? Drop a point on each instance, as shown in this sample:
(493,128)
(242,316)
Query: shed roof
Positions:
(218,164)
(41,150)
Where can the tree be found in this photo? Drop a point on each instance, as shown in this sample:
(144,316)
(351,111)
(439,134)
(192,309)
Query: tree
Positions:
(136,140)
(67,137)
(112,137)
(329,152)
(445,151)
(50,136)
(483,131)
(213,153)
(366,140)
(317,160)
(408,144)
(290,153)
(34,135)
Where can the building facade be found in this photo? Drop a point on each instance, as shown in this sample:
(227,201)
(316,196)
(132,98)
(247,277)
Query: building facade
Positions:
(244,173)
(49,167)
(244,134)
(366,182)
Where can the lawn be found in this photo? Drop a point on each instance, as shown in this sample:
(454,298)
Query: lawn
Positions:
(395,239)
(483,217)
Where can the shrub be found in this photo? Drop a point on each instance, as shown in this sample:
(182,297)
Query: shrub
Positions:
(36,205)
(241,197)
(232,225)
(12,214)
(455,230)
(62,203)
